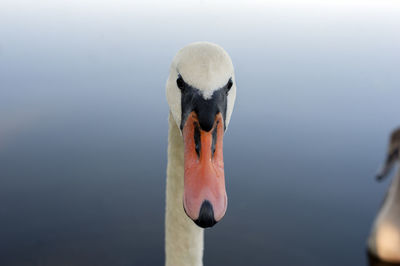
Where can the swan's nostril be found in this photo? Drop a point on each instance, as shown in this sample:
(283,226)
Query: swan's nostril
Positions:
(206,215)
(214,138)
(197,139)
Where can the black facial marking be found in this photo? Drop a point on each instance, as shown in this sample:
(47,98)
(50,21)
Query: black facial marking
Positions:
(214,138)
(229,85)
(180,83)
(206,110)
(197,139)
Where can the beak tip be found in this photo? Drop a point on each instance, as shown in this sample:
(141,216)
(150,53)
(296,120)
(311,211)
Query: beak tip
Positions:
(206,216)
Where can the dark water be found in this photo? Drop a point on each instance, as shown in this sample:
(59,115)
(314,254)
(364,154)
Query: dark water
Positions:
(83,129)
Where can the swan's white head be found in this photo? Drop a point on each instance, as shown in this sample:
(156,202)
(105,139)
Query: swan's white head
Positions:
(204,66)
(201,93)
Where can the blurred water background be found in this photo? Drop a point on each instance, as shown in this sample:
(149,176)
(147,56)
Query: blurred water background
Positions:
(83,128)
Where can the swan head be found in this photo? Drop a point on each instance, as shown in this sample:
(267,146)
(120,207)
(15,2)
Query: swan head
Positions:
(393,155)
(201,92)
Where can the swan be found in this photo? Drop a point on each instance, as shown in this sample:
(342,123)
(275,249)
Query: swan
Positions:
(200,92)
(384,240)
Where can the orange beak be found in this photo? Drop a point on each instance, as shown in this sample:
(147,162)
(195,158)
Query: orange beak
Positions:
(204,198)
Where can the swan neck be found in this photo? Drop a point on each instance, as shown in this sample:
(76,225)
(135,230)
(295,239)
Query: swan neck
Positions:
(183,239)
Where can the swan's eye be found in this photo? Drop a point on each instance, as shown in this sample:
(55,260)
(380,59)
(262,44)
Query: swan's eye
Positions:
(180,82)
(229,85)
